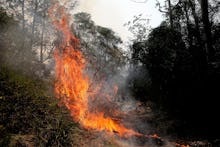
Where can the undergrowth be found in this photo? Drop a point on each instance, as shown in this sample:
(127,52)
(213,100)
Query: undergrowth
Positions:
(29,115)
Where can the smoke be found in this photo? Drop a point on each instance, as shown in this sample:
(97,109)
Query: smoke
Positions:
(86,5)
(122,106)
(113,98)
(102,14)
(28,38)
(22,40)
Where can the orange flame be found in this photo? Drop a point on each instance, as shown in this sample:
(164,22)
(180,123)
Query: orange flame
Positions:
(72,84)
(180,145)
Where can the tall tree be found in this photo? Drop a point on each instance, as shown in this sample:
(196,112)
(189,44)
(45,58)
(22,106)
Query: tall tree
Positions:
(170,13)
(22,2)
(168,10)
(207,28)
(35,4)
(100,45)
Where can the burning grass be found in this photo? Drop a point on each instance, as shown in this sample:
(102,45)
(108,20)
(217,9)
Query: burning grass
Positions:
(72,85)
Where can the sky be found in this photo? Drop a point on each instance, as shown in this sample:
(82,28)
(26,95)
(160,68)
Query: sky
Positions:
(115,13)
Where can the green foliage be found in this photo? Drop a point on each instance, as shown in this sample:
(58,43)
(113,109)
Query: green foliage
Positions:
(158,64)
(109,35)
(28,113)
(182,57)
(165,49)
(100,45)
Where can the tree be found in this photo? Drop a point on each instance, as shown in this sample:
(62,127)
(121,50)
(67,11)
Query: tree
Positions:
(35,4)
(181,57)
(168,10)
(36,44)
(100,46)
(11,37)
(207,28)
(163,57)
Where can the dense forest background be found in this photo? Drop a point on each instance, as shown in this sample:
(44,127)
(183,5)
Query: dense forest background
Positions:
(181,57)
(173,69)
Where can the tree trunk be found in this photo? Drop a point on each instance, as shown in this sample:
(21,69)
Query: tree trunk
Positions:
(207,29)
(196,19)
(42,41)
(34,22)
(170,13)
(198,52)
(189,34)
(23,20)
(22,50)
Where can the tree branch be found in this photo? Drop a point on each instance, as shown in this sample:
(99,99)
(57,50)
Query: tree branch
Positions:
(160,8)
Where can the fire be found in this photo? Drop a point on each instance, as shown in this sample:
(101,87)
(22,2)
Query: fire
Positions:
(180,145)
(154,136)
(72,85)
